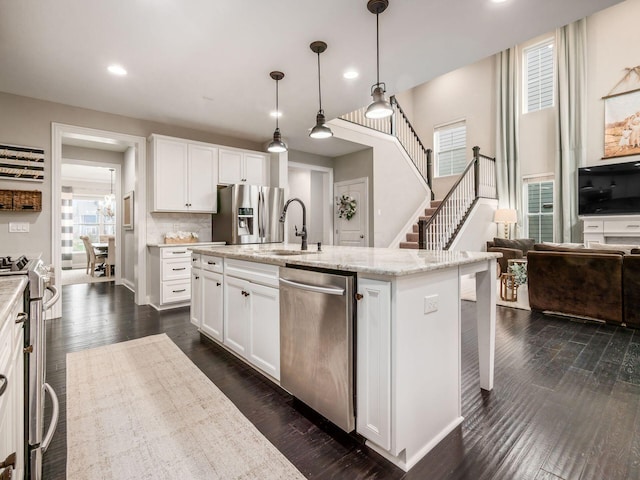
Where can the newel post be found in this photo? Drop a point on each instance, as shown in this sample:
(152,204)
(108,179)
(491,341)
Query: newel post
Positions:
(476,170)
(422,234)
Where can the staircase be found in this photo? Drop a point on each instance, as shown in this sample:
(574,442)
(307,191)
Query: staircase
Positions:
(413,236)
(441,222)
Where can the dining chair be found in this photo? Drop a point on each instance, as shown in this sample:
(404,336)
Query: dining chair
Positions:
(111,256)
(92,256)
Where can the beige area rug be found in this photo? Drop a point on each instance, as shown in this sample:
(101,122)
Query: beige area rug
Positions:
(468,292)
(79,275)
(142,410)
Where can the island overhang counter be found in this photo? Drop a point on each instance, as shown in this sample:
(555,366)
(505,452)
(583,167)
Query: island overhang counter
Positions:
(408,335)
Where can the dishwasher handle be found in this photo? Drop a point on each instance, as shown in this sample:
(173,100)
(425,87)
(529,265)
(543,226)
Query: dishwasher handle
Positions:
(313,288)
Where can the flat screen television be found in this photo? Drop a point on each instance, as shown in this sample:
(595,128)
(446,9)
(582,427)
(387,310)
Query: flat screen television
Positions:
(612,189)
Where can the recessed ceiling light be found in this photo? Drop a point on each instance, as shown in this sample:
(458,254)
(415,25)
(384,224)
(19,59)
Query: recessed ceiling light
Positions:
(117,70)
(498,1)
(276,114)
(350,74)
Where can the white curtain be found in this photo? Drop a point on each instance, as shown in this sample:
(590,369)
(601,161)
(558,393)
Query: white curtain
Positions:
(508,181)
(571,41)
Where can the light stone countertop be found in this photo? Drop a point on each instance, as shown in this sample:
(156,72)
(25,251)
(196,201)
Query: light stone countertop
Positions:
(380,261)
(188,245)
(11,288)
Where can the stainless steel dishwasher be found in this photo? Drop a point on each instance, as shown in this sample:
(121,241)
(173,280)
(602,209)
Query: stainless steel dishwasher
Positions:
(316,341)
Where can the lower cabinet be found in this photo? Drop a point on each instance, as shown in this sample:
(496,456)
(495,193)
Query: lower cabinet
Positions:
(12,389)
(252,321)
(196,297)
(373,362)
(212,304)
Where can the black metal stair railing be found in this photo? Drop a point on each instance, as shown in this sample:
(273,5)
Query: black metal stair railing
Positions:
(478,180)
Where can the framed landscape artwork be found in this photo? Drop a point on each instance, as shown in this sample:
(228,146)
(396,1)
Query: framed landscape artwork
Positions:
(622,124)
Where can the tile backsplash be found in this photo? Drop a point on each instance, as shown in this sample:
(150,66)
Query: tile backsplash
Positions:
(160,223)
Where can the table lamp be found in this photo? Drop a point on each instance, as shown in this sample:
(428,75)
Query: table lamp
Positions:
(507,216)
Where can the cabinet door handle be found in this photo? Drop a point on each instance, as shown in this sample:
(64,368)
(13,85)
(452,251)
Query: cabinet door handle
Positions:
(592,226)
(5,382)
(633,226)
(178,269)
(211,263)
(197,278)
(181,290)
(21,318)
(179,253)
(218,284)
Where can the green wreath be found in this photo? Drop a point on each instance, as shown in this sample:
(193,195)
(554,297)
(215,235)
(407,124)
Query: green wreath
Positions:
(347,207)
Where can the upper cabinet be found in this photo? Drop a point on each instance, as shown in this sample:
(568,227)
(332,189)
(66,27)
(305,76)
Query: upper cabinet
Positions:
(185,175)
(237,166)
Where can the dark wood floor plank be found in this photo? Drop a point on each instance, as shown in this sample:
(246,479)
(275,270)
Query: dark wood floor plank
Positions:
(566,400)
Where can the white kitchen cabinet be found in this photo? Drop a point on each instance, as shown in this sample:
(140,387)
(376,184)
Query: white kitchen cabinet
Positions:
(197,305)
(12,399)
(184,175)
(237,166)
(169,276)
(212,302)
(236,314)
(252,314)
(373,361)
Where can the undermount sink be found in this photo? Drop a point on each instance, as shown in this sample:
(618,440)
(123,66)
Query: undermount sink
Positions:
(285,252)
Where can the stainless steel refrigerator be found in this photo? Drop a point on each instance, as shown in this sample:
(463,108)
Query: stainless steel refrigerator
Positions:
(248,214)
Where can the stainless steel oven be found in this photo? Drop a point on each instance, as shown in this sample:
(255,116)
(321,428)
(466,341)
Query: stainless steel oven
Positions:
(42,295)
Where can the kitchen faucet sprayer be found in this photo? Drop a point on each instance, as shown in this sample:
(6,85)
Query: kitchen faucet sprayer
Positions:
(303,233)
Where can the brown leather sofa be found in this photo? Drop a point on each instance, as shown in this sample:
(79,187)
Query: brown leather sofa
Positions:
(592,283)
(510,249)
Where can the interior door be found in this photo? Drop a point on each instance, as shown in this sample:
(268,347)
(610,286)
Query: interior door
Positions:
(353,232)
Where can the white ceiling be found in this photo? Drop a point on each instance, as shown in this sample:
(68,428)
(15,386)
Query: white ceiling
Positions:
(205,64)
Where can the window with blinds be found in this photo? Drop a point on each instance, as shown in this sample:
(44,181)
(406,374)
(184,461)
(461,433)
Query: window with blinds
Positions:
(450,146)
(539,210)
(538,76)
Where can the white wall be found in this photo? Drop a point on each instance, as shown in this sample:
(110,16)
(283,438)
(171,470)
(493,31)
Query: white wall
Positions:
(464,94)
(398,189)
(129,256)
(299,187)
(612,47)
(27,121)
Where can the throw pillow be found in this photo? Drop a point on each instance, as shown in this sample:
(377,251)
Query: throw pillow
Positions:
(524,244)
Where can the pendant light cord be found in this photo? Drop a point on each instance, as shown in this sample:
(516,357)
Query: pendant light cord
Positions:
(277,107)
(319,89)
(377,50)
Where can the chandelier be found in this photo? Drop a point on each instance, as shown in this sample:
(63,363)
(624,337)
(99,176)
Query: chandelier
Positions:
(106,207)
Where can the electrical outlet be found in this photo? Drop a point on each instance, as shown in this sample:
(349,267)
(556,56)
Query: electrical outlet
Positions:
(431,304)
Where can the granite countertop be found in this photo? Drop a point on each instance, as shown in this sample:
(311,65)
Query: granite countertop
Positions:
(164,245)
(11,288)
(381,261)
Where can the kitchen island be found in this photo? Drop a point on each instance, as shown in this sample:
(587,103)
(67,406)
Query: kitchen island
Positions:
(407,340)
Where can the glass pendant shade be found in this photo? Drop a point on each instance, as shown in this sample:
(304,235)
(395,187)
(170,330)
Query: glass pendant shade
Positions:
(380,108)
(277,145)
(320,130)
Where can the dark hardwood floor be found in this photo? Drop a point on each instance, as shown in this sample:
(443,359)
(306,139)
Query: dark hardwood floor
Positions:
(566,402)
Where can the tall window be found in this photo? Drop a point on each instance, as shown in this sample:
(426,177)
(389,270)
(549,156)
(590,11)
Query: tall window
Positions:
(538,201)
(450,145)
(538,76)
(87,221)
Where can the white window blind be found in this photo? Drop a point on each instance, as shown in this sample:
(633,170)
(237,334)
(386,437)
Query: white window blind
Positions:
(538,76)
(450,146)
(538,201)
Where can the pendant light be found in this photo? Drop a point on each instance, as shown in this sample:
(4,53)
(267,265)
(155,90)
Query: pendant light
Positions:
(106,208)
(277,145)
(380,108)
(320,130)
